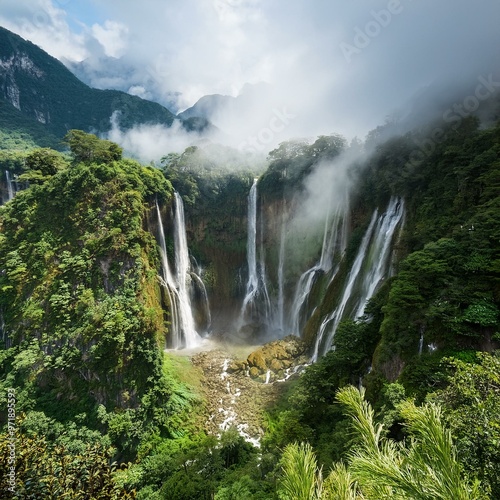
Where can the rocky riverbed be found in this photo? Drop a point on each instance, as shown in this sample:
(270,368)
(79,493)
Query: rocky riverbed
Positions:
(238,389)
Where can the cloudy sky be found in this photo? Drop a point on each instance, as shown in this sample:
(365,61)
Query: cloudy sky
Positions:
(336,65)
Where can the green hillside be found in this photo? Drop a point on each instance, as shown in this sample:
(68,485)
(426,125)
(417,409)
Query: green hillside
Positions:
(43,89)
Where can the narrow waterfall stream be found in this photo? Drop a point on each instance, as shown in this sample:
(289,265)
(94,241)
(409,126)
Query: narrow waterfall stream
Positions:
(10,186)
(334,245)
(256,308)
(253,277)
(380,251)
(281,278)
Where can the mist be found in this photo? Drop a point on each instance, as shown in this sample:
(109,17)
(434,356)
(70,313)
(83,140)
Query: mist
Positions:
(150,142)
(334,66)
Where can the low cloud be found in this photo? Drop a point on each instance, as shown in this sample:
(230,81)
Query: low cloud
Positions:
(337,66)
(151,142)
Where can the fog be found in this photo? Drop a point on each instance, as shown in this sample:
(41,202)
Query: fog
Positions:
(329,66)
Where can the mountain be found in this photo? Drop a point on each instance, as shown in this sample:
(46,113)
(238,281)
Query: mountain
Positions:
(45,91)
(207,106)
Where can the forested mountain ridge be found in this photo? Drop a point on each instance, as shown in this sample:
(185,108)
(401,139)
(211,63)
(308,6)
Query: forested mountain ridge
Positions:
(45,91)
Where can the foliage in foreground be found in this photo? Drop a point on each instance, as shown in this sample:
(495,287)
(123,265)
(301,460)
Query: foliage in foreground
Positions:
(423,467)
(47,471)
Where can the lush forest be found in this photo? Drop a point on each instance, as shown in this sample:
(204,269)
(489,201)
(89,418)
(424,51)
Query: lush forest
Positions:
(102,411)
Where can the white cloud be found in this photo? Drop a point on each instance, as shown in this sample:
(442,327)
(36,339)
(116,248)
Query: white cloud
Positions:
(112,36)
(151,142)
(44,24)
(200,47)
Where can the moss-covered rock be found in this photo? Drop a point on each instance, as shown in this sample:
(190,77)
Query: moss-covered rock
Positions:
(276,357)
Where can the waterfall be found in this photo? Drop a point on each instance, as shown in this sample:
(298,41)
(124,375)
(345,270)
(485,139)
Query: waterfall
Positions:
(256,306)
(281,291)
(263,277)
(253,278)
(177,288)
(10,187)
(169,285)
(205,305)
(369,268)
(336,315)
(421,344)
(334,244)
(182,267)
(380,252)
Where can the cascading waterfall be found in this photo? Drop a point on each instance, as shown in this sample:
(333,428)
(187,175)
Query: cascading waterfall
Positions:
(336,315)
(421,344)
(182,267)
(253,277)
(380,251)
(263,276)
(334,243)
(205,305)
(177,288)
(170,286)
(370,266)
(281,278)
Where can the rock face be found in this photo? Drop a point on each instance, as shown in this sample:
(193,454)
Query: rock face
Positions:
(273,361)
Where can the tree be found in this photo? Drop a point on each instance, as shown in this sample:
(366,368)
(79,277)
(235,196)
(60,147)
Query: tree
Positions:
(88,148)
(471,405)
(41,164)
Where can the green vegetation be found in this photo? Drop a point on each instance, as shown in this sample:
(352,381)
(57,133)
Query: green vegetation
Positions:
(379,467)
(292,161)
(83,328)
(445,289)
(19,132)
(214,182)
(52,100)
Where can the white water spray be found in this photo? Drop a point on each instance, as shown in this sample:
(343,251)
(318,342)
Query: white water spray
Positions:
(182,267)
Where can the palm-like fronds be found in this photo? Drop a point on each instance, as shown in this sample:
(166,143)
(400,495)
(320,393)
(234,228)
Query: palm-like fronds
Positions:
(340,485)
(426,469)
(301,480)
